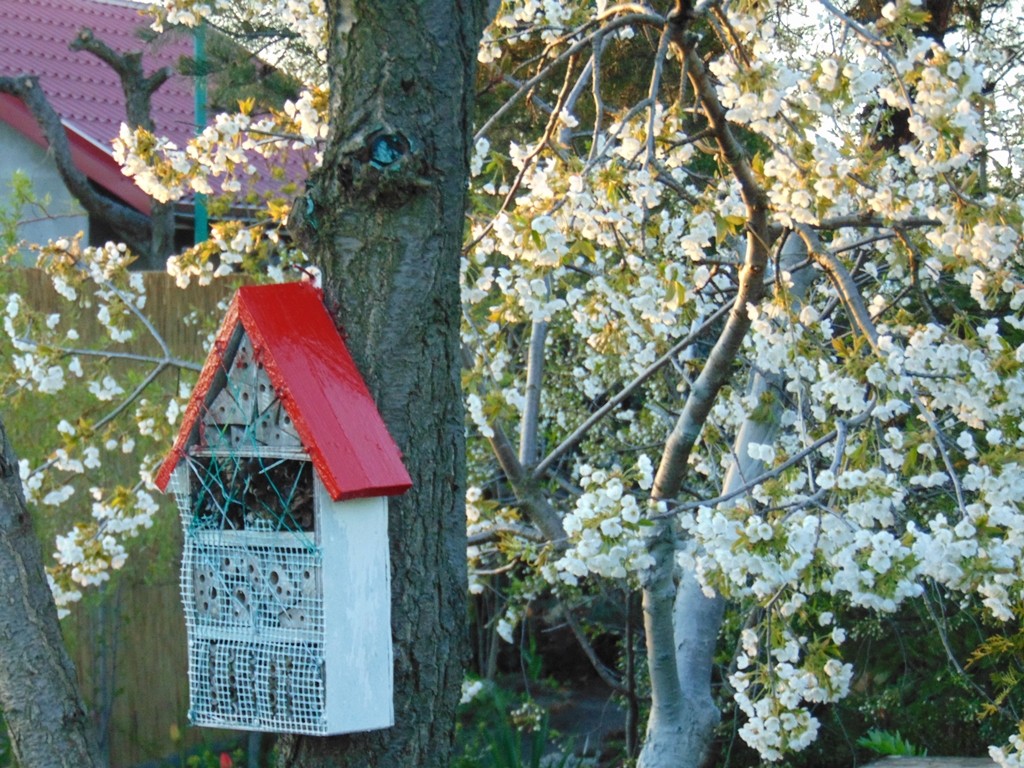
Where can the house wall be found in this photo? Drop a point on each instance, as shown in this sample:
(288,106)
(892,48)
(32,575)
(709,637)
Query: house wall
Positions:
(62,217)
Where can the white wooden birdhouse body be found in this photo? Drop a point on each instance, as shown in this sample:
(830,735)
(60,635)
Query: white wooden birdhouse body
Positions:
(281,473)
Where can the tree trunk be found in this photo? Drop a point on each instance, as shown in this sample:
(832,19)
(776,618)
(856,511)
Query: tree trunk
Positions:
(685,623)
(383,219)
(38,689)
(138,104)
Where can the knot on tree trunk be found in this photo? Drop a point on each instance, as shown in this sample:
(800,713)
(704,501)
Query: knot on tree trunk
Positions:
(384,167)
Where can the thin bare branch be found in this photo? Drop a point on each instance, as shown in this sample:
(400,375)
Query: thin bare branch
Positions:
(652,93)
(496,531)
(837,435)
(572,50)
(549,131)
(870,221)
(172,362)
(607,676)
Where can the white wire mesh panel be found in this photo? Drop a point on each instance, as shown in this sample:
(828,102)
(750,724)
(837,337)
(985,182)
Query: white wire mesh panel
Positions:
(257,685)
(251,586)
(255,619)
(239,582)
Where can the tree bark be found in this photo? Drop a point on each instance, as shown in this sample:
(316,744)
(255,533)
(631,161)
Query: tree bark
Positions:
(38,689)
(383,218)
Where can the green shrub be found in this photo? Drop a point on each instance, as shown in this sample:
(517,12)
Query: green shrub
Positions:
(889,743)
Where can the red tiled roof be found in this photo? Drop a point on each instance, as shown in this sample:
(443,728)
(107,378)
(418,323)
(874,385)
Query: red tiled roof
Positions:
(34,40)
(86,93)
(315,379)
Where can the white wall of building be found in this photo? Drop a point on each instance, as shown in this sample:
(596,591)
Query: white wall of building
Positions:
(62,217)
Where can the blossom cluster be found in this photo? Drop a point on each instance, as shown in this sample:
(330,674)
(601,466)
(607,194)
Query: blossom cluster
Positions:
(605,528)
(799,673)
(52,357)
(230,159)
(224,150)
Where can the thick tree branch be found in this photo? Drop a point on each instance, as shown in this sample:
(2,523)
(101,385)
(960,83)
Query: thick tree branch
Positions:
(679,662)
(529,496)
(138,88)
(718,368)
(667,740)
(844,284)
(531,408)
(138,101)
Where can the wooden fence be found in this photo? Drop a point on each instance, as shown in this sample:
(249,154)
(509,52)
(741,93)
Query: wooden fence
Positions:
(128,639)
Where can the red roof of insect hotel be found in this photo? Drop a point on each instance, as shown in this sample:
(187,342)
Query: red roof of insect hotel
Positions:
(316,381)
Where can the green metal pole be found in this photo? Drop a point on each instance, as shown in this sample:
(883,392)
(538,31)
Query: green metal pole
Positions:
(201,221)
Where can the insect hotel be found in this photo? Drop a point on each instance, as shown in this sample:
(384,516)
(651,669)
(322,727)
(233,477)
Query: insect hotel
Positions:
(281,471)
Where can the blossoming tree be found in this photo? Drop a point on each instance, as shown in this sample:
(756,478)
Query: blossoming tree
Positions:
(797,253)
(742,332)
